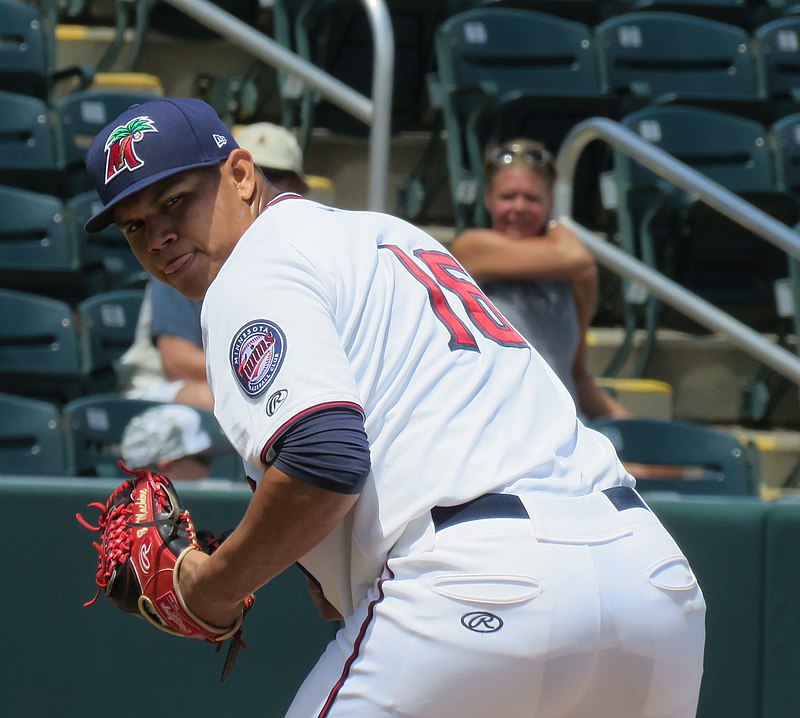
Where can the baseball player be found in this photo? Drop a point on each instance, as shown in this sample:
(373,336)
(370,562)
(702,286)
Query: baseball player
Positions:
(488,553)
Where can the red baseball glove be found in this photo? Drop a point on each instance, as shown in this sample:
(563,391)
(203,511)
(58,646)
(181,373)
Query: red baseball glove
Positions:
(145,535)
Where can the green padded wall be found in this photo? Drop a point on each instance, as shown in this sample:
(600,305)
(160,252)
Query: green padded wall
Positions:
(62,659)
(65,660)
(782,617)
(724,541)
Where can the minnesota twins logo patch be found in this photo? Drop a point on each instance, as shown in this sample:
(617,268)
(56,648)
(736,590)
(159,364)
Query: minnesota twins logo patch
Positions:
(257,353)
(120,146)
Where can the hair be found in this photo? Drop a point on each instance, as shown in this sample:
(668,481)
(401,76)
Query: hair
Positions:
(516,149)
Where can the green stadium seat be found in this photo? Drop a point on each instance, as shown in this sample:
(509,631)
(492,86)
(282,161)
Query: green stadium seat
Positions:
(107,330)
(28,150)
(778,54)
(665,57)
(94,425)
(38,252)
(39,354)
(497,84)
(23,56)
(690,242)
(31,437)
(683,457)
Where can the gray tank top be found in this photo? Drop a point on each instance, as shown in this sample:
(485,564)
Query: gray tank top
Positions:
(544,313)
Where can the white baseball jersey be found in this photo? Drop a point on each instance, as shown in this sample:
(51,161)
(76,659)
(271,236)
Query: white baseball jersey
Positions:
(319,307)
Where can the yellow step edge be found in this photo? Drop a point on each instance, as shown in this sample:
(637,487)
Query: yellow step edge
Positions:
(72,33)
(319,183)
(638,386)
(129,81)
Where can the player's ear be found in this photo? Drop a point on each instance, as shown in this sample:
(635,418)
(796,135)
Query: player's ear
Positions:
(242,171)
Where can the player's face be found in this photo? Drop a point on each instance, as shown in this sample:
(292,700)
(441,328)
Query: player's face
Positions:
(183,228)
(519,202)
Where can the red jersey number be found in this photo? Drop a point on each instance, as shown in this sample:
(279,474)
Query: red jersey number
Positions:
(447,273)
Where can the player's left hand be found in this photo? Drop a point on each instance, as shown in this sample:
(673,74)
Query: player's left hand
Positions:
(146,535)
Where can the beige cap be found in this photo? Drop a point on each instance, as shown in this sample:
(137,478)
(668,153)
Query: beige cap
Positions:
(163,433)
(272,147)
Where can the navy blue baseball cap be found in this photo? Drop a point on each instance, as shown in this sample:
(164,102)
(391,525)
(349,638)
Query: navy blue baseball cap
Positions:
(149,142)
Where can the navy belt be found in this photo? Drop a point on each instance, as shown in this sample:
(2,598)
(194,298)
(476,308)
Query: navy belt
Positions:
(509,506)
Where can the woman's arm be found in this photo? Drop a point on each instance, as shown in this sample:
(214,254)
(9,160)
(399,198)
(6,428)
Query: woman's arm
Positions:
(489,255)
(592,399)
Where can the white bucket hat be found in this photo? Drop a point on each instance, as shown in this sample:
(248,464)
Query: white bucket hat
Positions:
(163,433)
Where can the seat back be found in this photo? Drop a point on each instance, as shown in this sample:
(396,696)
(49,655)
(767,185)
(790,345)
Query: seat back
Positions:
(498,83)
(28,150)
(31,437)
(683,457)
(696,245)
(107,330)
(23,59)
(728,149)
(589,12)
(39,353)
(94,425)
(34,237)
(653,54)
(106,257)
(733,12)
(778,56)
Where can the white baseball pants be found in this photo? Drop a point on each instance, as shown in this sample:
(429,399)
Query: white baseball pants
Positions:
(582,609)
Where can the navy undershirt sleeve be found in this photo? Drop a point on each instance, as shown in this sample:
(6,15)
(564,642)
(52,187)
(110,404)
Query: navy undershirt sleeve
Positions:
(328,448)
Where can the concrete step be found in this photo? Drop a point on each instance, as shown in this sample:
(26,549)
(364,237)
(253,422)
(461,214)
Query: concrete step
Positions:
(707,374)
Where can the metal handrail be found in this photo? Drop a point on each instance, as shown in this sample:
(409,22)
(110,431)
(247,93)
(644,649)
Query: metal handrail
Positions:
(715,195)
(375,112)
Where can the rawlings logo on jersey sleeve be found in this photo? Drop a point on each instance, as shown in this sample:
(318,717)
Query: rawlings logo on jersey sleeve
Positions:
(257,353)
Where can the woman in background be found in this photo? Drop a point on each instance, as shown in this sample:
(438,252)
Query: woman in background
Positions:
(536,271)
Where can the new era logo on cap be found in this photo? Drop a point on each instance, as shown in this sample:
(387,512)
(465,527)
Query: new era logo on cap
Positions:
(150,142)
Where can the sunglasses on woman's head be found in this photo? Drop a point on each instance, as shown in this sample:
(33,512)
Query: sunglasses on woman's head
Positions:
(534,156)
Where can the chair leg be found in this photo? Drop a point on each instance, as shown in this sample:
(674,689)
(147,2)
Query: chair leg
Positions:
(423,183)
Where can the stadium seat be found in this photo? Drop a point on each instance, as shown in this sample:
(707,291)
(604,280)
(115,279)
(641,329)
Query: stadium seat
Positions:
(31,437)
(683,457)
(39,354)
(107,329)
(23,58)
(335,35)
(94,425)
(28,150)
(106,257)
(664,57)
(499,83)
(589,12)
(38,252)
(733,12)
(692,243)
(778,54)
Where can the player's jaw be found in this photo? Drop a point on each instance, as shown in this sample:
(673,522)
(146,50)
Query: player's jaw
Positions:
(173,228)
